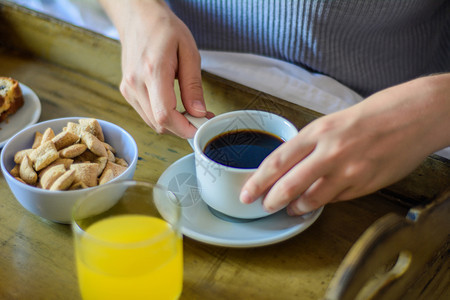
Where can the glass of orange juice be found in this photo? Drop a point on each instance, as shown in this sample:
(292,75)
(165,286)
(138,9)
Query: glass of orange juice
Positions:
(128,243)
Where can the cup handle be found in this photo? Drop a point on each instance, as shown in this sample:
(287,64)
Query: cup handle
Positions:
(197,122)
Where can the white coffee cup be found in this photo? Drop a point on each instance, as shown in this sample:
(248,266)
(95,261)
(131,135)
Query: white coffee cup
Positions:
(220,185)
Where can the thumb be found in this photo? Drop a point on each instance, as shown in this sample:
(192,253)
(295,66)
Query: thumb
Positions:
(192,97)
(190,81)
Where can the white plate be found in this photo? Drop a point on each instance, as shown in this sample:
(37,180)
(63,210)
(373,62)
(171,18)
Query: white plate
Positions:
(199,223)
(27,115)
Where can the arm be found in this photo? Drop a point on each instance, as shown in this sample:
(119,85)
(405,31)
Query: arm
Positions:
(157,47)
(358,150)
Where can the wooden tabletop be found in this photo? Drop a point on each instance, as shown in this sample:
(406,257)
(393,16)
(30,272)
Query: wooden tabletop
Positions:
(76,73)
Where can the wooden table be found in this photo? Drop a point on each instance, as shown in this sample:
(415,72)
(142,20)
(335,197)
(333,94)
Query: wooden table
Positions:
(76,73)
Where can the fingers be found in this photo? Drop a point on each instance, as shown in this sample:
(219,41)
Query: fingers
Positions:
(155,100)
(321,192)
(294,183)
(131,96)
(163,106)
(299,174)
(274,167)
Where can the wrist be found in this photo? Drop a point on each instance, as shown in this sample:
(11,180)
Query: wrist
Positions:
(124,14)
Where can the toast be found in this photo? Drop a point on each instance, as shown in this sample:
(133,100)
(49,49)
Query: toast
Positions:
(11,98)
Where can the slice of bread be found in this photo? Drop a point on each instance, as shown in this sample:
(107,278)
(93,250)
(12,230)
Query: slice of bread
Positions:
(11,98)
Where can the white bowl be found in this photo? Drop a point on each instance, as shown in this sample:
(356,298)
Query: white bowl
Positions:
(57,205)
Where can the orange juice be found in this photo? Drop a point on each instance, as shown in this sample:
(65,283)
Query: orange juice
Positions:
(130,257)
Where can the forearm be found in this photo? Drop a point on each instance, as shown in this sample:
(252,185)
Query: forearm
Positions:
(438,88)
(122,12)
(419,108)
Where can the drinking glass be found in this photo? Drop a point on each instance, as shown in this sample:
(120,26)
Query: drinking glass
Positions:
(128,243)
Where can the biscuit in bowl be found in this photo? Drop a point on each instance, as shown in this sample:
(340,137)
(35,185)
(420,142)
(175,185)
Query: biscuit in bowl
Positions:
(53,193)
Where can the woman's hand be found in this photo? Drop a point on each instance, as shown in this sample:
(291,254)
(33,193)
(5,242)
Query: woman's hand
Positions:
(356,151)
(157,47)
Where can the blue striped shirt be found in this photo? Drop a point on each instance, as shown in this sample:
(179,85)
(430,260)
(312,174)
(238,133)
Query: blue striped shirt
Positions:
(366,45)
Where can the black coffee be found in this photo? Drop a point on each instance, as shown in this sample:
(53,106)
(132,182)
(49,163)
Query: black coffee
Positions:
(244,148)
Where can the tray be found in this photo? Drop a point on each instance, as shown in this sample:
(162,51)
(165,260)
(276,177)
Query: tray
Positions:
(76,72)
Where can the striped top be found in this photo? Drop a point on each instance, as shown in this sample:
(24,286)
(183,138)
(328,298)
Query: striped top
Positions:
(366,45)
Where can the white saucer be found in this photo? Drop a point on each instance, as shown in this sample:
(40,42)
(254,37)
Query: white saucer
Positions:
(27,115)
(199,223)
